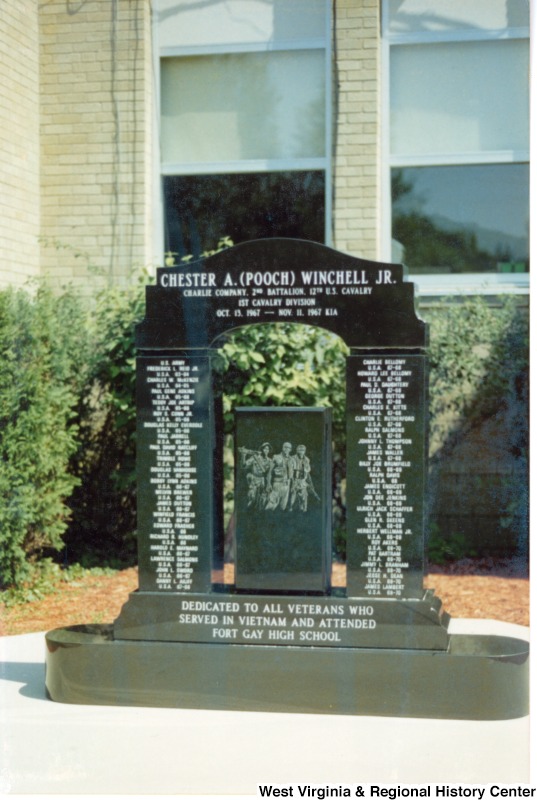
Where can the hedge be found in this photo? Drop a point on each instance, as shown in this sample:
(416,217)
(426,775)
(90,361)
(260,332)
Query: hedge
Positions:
(43,358)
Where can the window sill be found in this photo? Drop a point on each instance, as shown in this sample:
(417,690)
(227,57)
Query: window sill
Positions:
(472,283)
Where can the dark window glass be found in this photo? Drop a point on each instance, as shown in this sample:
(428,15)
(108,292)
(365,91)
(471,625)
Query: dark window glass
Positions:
(454,219)
(202,209)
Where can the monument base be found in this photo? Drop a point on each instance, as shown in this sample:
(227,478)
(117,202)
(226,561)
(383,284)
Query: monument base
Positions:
(477,678)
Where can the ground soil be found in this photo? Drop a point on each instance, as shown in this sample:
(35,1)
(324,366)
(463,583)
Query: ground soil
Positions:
(481,589)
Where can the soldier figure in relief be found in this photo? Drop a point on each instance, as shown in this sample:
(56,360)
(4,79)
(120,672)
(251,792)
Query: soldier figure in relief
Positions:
(279,479)
(257,464)
(301,484)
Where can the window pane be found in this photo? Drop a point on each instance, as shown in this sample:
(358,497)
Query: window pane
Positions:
(201,209)
(458,98)
(412,16)
(463,218)
(238,21)
(243,106)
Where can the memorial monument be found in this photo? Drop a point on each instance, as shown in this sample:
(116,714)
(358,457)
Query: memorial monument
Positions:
(281,637)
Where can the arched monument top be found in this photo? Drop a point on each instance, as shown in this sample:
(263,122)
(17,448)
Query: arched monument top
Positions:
(367,303)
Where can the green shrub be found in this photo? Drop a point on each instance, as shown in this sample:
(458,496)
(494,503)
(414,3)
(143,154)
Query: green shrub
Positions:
(46,578)
(479,365)
(103,505)
(478,361)
(42,368)
(441,550)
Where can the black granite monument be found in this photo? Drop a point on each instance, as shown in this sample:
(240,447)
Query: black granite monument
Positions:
(281,637)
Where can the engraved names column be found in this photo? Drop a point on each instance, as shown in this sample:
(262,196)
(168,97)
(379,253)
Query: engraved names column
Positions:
(385,475)
(174,456)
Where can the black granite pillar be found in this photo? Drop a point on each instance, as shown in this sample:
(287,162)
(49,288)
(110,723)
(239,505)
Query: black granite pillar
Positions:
(385,474)
(174,465)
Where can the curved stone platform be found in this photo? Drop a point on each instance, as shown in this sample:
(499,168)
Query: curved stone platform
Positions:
(477,678)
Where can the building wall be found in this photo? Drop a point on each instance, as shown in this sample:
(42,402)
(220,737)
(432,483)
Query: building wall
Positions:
(95,139)
(19,143)
(86,70)
(356,129)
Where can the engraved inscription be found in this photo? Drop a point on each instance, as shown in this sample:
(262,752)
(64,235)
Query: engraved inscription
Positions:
(386,432)
(277,622)
(171,431)
(384,445)
(251,296)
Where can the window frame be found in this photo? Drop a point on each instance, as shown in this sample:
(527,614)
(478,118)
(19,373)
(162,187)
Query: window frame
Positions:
(161,169)
(437,285)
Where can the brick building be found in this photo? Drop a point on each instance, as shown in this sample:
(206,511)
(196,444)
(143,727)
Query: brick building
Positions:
(112,111)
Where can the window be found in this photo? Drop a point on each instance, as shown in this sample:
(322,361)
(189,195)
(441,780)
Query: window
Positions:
(252,205)
(458,144)
(456,219)
(244,139)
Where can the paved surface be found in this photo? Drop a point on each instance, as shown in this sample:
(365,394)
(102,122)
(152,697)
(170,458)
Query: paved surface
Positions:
(51,748)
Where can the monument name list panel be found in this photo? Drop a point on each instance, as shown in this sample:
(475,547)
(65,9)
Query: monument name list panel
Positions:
(385,475)
(174,453)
